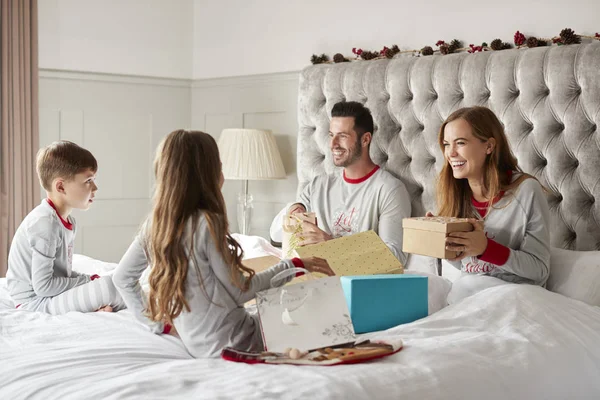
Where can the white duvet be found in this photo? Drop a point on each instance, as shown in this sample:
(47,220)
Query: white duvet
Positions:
(507,342)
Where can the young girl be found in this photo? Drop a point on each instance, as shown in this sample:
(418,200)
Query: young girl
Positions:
(197,281)
(482,180)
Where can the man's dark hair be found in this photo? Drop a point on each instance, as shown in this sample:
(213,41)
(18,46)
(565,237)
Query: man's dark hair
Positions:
(363,121)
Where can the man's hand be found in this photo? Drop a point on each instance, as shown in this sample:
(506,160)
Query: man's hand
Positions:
(467,244)
(296,209)
(312,234)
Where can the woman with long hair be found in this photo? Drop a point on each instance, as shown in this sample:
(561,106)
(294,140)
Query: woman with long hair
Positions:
(481,180)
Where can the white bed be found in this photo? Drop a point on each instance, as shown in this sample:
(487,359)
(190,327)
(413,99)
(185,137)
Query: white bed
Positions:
(543,343)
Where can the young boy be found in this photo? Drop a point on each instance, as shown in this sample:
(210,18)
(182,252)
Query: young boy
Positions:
(39,274)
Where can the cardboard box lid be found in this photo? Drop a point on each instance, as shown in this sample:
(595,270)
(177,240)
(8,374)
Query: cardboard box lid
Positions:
(438,224)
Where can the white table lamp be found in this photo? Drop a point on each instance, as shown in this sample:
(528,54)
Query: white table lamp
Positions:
(249,154)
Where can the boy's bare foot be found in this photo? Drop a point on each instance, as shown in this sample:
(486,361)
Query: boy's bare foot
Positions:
(105,309)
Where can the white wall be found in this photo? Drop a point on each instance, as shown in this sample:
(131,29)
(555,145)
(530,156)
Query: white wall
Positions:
(121,120)
(242,37)
(206,39)
(132,37)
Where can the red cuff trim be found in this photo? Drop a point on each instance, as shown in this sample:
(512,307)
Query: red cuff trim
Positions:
(361,180)
(298,264)
(95,276)
(495,253)
(167,328)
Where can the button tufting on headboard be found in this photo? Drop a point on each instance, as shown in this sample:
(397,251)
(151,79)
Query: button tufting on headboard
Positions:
(547,98)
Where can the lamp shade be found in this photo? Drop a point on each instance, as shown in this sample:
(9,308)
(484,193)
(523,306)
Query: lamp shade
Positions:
(249,154)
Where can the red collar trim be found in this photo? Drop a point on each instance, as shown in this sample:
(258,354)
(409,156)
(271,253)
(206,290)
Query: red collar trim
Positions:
(361,180)
(66,224)
(484,204)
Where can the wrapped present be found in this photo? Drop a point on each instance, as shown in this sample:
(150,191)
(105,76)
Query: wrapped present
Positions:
(427,235)
(359,254)
(292,232)
(306,315)
(379,302)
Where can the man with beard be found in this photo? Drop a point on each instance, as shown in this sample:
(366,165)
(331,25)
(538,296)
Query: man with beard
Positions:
(362,196)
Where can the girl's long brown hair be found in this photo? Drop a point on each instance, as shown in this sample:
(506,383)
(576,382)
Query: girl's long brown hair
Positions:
(454,195)
(188,172)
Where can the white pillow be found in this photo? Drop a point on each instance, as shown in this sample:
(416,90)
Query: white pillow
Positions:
(575,274)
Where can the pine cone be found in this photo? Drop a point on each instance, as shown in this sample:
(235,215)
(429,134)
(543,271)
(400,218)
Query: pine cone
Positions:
(542,43)
(368,55)
(497,44)
(454,45)
(506,46)
(444,49)
(390,53)
(315,59)
(427,51)
(568,36)
(339,58)
(532,42)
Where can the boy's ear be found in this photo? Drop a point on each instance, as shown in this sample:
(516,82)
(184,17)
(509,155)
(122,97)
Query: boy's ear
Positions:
(59,186)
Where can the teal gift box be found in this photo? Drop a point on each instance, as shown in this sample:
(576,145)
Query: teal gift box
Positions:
(378,302)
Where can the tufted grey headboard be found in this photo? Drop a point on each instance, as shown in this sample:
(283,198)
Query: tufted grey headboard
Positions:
(547,98)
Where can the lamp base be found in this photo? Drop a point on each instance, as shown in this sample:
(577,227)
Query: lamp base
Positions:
(244,212)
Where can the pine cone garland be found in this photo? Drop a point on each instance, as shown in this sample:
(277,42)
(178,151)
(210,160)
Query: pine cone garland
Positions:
(532,42)
(541,43)
(390,53)
(506,46)
(519,39)
(427,51)
(454,45)
(339,58)
(315,59)
(368,55)
(444,49)
(497,44)
(568,36)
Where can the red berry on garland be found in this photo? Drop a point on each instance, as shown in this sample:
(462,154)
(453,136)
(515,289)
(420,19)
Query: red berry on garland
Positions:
(439,43)
(358,52)
(597,35)
(354,50)
(519,39)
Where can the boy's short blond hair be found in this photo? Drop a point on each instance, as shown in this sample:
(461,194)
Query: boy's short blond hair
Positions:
(63,159)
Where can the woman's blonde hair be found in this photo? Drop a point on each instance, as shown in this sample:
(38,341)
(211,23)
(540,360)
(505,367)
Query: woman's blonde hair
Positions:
(188,172)
(454,195)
